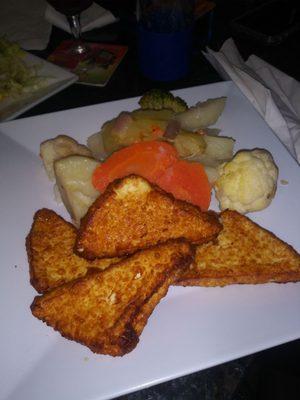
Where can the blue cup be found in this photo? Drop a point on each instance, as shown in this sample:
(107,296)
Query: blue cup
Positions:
(164,56)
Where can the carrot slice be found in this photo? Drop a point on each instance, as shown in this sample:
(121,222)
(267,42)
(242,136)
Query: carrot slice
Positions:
(159,163)
(187,181)
(148,159)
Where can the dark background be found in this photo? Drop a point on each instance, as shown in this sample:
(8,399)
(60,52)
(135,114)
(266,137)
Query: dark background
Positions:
(271,374)
(129,82)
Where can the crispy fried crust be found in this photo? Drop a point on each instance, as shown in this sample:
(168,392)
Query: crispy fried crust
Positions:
(50,245)
(107,310)
(133,214)
(243,253)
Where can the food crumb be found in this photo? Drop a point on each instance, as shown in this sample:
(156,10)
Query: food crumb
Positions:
(85,359)
(138,275)
(15,266)
(112,298)
(284,182)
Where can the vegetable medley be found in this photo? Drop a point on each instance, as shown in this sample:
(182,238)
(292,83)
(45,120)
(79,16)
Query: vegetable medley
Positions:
(16,77)
(170,145)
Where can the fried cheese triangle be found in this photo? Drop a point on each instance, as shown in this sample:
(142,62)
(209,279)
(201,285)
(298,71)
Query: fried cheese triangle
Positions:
(244,252)
(132,214)
(107,310)
(50,245)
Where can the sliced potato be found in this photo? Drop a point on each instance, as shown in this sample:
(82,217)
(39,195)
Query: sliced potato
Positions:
(59,147)
(96,146)
(202,114)
(207,160)
(219,147)
(126,129)
(146,128)
(212,174)
(137,131)
(74,181)
(114,140)
(189,144)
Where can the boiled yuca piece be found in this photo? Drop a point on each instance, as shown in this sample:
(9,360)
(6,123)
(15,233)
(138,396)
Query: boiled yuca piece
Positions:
(74,181)
(57,148)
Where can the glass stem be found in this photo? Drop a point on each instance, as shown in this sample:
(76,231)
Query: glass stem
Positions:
(74,21)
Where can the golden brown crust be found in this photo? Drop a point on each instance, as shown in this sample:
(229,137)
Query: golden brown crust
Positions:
(107,310)
(243,253)
(118,225)
(51,258)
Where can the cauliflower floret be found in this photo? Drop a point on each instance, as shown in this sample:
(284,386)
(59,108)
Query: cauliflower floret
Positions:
(248,182)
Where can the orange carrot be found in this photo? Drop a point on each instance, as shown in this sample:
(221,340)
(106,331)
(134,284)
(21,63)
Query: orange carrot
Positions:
(159,163)
(187,181)
(148,159)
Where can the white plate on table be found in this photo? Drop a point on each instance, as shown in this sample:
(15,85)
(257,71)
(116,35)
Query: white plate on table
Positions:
(191,329)
(56,79)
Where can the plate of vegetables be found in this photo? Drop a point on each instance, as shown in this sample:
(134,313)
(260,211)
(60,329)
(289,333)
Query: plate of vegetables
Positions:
(174,146)
(194,328)
(26,80)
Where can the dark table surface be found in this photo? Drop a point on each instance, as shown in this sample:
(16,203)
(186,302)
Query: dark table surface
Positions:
(240,379)
(128,80)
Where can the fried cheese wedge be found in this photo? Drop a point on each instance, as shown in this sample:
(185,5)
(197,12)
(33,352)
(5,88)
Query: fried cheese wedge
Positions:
(51,258)
(244,252)
(107,310)
(133,214)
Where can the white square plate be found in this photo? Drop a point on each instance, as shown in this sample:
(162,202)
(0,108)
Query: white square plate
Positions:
(57,79)
(191,329)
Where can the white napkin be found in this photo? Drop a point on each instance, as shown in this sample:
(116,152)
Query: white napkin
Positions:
(23,21)
(93,17)
(275,95)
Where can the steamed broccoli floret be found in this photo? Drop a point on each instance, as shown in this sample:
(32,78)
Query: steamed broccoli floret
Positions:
(157,99)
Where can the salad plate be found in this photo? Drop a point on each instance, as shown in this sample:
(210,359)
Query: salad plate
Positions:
(192,328)
(53,80)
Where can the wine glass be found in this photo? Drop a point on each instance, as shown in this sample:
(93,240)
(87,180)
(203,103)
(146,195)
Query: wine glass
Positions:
(72,9)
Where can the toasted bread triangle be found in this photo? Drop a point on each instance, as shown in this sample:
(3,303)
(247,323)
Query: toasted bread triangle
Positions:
(50,245)
(243,253)
(107,310)
(132,214)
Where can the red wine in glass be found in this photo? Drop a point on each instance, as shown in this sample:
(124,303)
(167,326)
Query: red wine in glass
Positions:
(72,9)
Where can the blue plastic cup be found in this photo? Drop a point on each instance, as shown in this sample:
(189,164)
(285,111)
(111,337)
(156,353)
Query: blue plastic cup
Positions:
(164,56)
